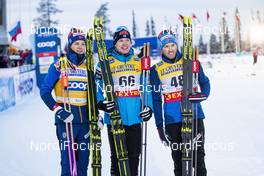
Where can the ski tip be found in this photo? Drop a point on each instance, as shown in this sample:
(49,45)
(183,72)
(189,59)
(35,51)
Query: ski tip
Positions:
(190,20)
(90,33)
(95,20)
(185,20)
(101,21)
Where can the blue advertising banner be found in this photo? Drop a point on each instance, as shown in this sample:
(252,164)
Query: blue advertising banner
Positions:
(7,93)
(139,42)
(46,50)
(46,42)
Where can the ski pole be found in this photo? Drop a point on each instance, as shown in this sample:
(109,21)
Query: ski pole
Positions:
(67,107)
(145,66)
(195,70)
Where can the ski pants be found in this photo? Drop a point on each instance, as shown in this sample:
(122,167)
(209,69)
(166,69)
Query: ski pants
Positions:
(81,146)
(173,132)
(133,143)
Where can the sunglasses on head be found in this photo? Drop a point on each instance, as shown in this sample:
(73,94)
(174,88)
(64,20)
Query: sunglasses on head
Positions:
(120,28)
(76,31)
(166,31)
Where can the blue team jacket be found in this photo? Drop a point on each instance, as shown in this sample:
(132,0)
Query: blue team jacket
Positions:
(129,107)
(171,111)
(50,81)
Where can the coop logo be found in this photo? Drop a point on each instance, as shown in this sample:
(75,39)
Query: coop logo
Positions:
(46,44)
(26,86)
(77,86)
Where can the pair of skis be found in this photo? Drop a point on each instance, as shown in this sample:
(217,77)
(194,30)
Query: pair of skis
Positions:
(190,78)
(93,115)
(117,128)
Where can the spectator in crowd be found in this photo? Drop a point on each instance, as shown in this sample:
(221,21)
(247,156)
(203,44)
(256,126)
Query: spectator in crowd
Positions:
(3,58)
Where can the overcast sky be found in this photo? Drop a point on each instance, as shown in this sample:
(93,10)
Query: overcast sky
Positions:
(81,12)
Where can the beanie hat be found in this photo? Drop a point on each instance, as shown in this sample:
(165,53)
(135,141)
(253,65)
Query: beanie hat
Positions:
(165,37)
(74,35)
(121,32)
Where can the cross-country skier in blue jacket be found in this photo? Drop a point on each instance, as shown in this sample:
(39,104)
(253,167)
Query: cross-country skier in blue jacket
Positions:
(77,97)
(126,71)
(166,79)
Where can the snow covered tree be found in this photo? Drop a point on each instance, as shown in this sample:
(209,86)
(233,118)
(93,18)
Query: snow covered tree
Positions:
(225,40)
(134,25)
(258,17)
(147,30)
(102,11)
(238,41)
(214,45)
(201,45)
(47,9)
(153,28)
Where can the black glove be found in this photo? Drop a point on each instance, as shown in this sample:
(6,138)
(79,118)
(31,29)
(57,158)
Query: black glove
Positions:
(146,114)
(107,106)
(197,97)
(162,137)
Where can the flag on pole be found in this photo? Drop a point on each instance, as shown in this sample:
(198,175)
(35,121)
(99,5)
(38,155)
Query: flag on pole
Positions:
(207,16)
(180,17)
(237,16)
(15,31)
(195,18)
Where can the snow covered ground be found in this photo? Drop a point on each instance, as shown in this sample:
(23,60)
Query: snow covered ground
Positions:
(234,121)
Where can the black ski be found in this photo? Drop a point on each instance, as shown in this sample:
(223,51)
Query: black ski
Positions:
(186,106)
(116,122)
(95,133)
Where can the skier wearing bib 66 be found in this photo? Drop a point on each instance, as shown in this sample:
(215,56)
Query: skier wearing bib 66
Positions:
(126,74)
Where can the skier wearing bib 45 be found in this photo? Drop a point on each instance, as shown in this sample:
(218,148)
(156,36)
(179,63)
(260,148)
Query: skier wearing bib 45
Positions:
(166,78)
(126,73)
(70,105)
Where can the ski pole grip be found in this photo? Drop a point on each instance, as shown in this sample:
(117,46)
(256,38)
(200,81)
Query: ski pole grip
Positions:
(195,66)
(145,63)
(64,80)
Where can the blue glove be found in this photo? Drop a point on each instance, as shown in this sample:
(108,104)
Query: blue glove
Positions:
(63,115)
(197,97)
(163,137)
(146,114)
